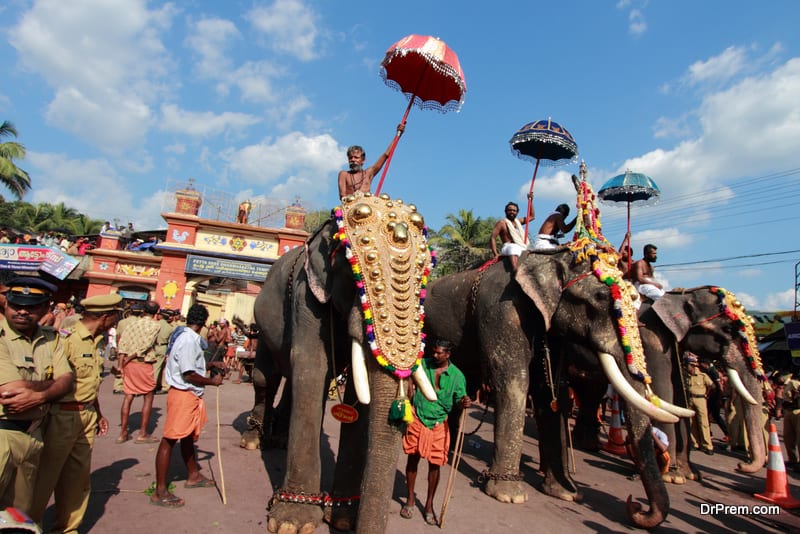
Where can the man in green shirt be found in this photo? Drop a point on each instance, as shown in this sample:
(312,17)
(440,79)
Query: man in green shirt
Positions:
(428,435)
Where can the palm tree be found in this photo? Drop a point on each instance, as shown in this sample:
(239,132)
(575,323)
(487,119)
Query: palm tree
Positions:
(462,242)
(16,179)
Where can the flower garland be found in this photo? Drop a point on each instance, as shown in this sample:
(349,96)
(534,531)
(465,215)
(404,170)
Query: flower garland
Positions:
(744,325)
(366,306)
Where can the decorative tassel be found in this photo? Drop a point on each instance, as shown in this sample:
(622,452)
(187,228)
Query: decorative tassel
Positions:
(400,411)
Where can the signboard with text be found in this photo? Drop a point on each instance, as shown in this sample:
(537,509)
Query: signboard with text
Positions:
(792,331)
(22,257)
(243,270)
(58,264)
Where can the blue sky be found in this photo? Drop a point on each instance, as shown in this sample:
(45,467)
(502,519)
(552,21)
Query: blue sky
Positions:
(118,101)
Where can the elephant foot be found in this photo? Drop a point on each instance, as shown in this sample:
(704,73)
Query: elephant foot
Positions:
(292,518)
(673,478)
(341,519)
(687,472)
(251,440)
(509,491)
(561,488)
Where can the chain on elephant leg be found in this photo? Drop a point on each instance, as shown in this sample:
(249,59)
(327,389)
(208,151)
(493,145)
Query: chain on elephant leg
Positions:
(507,487)
(295,512)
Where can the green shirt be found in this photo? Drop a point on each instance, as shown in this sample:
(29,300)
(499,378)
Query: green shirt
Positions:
(452,388)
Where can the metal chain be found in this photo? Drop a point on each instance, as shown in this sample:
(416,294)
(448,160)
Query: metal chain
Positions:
(317,499)
(483,418)
(485,476)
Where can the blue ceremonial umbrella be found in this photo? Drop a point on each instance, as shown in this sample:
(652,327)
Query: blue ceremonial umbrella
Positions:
(632,188)
(543,140)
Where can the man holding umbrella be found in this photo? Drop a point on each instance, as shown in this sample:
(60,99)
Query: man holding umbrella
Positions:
(357,178)
(642,274)
(511,233)
(552,226)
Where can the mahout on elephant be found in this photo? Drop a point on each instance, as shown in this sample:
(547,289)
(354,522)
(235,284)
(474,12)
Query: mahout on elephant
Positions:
(351,297)
(505,324)
(707,321)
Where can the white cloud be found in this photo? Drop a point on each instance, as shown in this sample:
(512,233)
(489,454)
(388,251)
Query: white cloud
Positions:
(304,164)
(636,23)
(290,25)
(719,68)
(783,300)
(177,148)
(91,186)
(209,38)
(202,123)
(104,60)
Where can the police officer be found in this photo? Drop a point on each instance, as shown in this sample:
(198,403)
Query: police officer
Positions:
(74,420)
(33,373)
(698,385)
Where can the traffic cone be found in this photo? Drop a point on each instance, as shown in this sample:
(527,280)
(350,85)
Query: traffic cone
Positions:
(777,483)
(616,441)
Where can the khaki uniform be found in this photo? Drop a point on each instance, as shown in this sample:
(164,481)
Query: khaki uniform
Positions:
(791,418)
(162,340)
(697,385)
(38,359)
(69,435)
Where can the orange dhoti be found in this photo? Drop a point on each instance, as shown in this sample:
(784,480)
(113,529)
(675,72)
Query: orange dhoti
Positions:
(430,443)
(186,414)
(138,378)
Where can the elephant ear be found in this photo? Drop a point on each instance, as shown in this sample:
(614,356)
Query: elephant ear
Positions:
(675,313)
(541,276)
(320,248)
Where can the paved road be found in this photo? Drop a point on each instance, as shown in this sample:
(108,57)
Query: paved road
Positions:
(122,472)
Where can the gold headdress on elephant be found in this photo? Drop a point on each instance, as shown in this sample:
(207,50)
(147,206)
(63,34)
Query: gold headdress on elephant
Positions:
(391,285)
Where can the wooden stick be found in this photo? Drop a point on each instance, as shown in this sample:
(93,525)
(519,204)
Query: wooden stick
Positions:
(219,456)
(454,467)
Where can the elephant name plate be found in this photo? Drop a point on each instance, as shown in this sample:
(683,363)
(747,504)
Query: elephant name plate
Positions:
(344,413)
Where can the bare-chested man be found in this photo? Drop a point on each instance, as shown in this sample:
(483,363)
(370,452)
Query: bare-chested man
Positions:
(551,227)
(358,178)
(642,274)
(511,234)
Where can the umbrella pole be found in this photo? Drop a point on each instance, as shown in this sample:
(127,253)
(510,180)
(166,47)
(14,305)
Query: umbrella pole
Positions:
(530,200)
(629,233)
(394,145)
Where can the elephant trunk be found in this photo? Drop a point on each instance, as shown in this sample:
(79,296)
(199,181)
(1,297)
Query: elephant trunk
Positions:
(383,449)
(641,434)
(755,431)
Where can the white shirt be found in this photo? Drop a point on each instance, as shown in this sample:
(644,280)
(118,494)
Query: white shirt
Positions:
(186,355)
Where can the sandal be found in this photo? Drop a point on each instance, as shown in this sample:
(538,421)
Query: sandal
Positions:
(406,512)
(122,439)
(202,483)
(141,440)
(168,501)
(430,518)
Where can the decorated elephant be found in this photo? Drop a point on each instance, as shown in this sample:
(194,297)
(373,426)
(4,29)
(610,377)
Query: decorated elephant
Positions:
(356,288)
(709,322)
(498,319)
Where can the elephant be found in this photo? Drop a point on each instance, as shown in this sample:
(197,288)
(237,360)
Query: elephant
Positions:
(709,322)
(503,324)
(356,288)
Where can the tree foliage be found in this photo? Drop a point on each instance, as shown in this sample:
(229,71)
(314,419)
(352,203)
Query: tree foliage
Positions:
(14,178)
(45,217)
(462,243)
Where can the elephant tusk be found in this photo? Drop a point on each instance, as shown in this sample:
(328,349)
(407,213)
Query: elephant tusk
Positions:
(736,380)
(680,411)
(424,384)
(630,395)
(360,379)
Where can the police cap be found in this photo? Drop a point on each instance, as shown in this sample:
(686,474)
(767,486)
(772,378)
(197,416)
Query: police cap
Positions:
(102,303)
(29,291)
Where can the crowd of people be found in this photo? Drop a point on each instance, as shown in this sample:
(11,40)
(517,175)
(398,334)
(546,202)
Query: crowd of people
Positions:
(52,358)
(77,245)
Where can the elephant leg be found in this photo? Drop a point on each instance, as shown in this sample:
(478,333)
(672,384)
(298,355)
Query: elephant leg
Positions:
(303,464)
(349,470)
(510,377)
(553,453)
(251,438)
(587,426)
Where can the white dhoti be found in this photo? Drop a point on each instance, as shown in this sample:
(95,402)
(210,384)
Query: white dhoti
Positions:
(650,291)
(545,242)
(511,249)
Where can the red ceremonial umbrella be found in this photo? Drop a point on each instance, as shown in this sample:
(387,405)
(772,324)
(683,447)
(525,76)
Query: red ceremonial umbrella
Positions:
(427,71)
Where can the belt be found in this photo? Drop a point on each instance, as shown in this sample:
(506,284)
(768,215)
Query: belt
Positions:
(19,425)
(74,406)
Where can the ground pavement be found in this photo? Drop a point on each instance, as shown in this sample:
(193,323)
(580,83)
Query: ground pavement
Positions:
(121,473)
